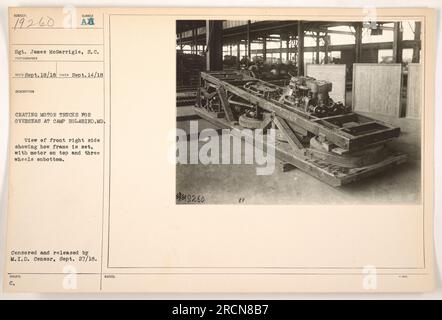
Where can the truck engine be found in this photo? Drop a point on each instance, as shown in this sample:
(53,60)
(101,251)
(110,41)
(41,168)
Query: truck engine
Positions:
(312,96)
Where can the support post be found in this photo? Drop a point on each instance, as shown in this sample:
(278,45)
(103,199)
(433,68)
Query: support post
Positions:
(249,51)
(300,48)
(194,43)
(358,41)
(264,47)
(280,50)
(287,55)
(214,40)
(238,54)
(397,43)
(326,37)
(317,47)
(417,38)
(180,41)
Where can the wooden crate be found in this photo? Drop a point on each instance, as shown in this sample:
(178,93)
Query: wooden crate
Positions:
(377,88)
(335,73)
(414,89)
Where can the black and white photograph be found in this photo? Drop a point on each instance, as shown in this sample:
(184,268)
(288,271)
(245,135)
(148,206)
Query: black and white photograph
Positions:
(298,112)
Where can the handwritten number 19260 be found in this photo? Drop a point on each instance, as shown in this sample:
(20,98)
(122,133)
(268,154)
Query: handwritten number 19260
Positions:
(25,23)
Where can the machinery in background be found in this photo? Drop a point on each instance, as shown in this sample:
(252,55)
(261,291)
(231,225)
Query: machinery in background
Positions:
(230,62)
(315,134)
(276,73)
(188,68)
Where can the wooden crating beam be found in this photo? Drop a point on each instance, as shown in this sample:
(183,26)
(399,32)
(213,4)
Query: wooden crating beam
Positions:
(266,123)
(288,134)
(225,103)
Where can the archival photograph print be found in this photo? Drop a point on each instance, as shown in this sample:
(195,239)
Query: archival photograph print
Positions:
(298,112)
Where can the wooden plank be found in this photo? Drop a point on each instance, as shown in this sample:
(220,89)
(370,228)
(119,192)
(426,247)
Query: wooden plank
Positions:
(414,89)
(385,165)
(288,133)
(377,88)
(188,117)
(335,73)
(297,128)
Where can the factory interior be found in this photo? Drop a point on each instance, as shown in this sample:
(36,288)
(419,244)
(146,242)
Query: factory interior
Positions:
(374,73)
